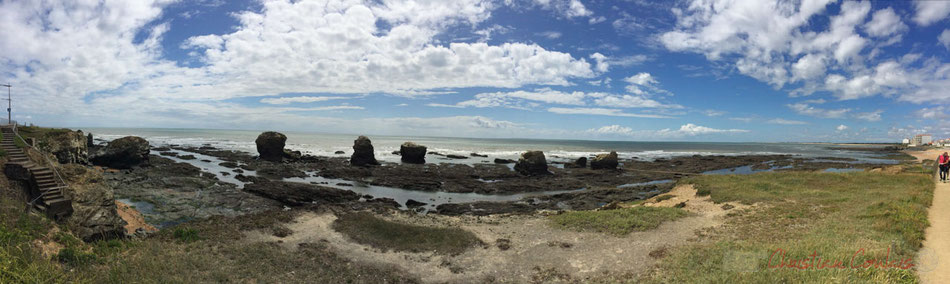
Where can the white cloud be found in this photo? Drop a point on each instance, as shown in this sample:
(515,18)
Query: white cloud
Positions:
(869,116)
(786,121)
(885,23)
(713,113)
(612,129)
(301,99)
(564,8)
(842,127)
(931,113)
(602,111)
(550,34)
(944,38)
(685,130)
(603,63)
(930,12)
(805,109)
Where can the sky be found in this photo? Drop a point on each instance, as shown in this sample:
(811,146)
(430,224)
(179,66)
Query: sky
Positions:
(702,70)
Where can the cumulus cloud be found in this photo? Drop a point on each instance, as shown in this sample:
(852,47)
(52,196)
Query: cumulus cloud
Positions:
(805,109)
(602,111)
(786,121)
(930,12)
(301,99)
(931,113)
(869,116)
(685,130)
(842,127)
(774,42)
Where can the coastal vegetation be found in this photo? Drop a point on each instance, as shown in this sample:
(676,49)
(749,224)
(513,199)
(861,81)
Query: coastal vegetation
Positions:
(808,227)
(617,222)
(365,228)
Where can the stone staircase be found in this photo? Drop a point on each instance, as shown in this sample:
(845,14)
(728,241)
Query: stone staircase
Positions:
(46,188)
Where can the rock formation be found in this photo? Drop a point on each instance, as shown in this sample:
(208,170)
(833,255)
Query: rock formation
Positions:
(94,214)
(270,146)
(69,147)
(363,154)
(122,153)
(532,163)
(413,153)
(604,161)
(580,163)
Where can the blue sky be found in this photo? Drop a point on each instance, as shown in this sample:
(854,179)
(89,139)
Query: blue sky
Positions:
(812,70)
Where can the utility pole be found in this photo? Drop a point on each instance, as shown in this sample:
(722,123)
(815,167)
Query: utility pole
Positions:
(9,102)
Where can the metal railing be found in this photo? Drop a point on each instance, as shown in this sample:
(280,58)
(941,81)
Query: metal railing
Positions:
(45,157)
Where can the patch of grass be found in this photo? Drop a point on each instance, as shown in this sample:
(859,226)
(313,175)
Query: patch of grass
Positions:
(900,156)
(75,257)
(367,229)
(618,221)
(833,216)
(186,234)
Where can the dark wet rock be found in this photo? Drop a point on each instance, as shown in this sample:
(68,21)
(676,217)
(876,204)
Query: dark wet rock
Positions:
(604,161)
(580,163)
(532,163)
(503,161)
(172,154)
(343,184)
(123,153)
(298,194)
(363,154)
(458,157)
(161,149)
(680,205)
(89,141)
(229,165)
(478,155)
(279,171)
(339,152)
(293,155)
(413,204)
(225,173)
(413,153)
(397,153)
(436,153)
(187,157)
(270,146)
(238,171)
(206,160)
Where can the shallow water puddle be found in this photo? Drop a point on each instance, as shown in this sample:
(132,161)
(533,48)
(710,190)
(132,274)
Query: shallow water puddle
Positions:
(212,167)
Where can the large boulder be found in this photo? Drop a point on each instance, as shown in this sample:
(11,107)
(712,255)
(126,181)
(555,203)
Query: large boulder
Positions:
(69,147)
(94,214)
(604,161)
(363,154)
(270,146)
(532,163)
(122,153)
(413,153)
(580,163)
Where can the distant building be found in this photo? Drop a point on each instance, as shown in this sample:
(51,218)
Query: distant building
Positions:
(906,141)
(922,139)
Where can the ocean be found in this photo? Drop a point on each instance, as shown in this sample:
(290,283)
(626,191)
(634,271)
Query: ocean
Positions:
(322,144)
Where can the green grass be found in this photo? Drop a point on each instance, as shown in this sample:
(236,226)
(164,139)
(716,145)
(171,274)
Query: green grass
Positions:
(367,229)
(663,197)
(186,235)
(618,221)
(835,215)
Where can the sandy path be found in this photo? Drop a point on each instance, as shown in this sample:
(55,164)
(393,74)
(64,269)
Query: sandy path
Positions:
(934,257)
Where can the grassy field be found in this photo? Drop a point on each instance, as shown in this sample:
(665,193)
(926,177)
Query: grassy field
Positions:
(617,221)
(850,223)
(370,230)
(204,252)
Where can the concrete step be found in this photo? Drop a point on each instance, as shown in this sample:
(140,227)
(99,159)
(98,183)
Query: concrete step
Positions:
(46,185)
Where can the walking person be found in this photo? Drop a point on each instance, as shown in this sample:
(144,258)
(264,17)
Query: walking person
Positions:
(944,162)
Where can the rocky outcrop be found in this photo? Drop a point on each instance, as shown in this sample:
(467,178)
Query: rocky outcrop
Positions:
(604,161)
(94,214)
(413,153)
(363,154)
(298,194)
(580,163)
(122,153)
(504,161)
(270,146)
(89,142)
(69,147)
(532,163)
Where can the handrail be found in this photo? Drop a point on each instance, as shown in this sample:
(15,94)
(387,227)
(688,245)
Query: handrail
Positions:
(45,157)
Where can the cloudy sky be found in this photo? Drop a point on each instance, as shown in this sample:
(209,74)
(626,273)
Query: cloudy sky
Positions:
(704,70)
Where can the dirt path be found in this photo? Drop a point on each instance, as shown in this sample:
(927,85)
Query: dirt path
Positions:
(934,257)
(535,248)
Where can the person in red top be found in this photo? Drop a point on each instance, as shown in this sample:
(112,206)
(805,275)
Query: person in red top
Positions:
(944,161)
